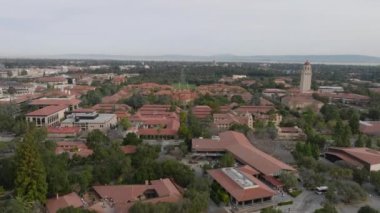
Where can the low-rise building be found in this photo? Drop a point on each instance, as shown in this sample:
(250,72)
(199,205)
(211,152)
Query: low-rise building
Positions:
(242,150)
(156,122)
(90,120)
(290,133)
(355,157)
(346,98)
(223,121)
(202,111)
(71,103)
(73,148)
(300,102)
(123,197)
(370,127)
(330,89)
(61,202)
(63,132)
(121,110)
(244,189)
(47,116)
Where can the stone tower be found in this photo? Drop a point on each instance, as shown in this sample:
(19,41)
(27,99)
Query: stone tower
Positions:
(305,84)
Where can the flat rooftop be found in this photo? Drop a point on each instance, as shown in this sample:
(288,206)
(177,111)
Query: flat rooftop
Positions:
(101,118)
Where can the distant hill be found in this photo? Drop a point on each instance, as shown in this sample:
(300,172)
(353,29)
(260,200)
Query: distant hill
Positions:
(326,59)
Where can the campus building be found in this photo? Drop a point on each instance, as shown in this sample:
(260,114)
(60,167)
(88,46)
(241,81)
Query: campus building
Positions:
(355,157)
(243,151)
(123,197)
(47,116)
(244,189)
(90,120)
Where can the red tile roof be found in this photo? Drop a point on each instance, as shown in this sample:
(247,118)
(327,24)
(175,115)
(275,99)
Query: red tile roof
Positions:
(128,149)
(72,199)
(124,196)
(73,148)
(238,145)
(48,110)
(63,130)
(55,101)
(370,127)
(362,155)
(254,109)
(259,190)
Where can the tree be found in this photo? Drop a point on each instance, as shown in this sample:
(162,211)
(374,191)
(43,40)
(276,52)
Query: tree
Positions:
(270,210)
(360,141)
(237,99)
(227,160)
(368,142)
(125,123)
(367,209)
(289,180)
(30,182)
(360,175)
(96,138)
(354,123)
(71,209)
(375,180)
(327,208)
(132,139)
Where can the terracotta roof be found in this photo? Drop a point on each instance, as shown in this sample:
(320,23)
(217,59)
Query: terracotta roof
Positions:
(73,148)
(370,127)
(254,109)
(125,195)
(128,149)
(55,79)
(238,145)
(363,155)
(63,130)
(72,199)
(48,110)
(259,190)
(55,101)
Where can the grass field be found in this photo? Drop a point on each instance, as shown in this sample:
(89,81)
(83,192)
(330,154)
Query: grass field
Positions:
(183,86)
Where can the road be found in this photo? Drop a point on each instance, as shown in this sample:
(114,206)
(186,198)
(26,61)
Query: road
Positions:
(306,202)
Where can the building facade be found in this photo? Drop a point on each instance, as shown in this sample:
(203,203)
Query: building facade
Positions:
(306,73)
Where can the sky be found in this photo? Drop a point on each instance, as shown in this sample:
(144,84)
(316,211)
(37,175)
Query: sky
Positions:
(189,27)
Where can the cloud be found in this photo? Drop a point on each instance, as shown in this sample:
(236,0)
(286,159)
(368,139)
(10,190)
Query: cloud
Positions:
(198,27)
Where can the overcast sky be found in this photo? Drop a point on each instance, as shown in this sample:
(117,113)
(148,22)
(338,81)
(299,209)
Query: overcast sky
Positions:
(193,27)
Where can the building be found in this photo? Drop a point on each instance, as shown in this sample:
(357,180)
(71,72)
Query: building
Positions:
(123,197)
(63,132)
(71,103)
(61,202)
(16,88)
(243,151)
(223,121)
(300,102)
(290,133)
(305,83)
(47,116)
(355,157)
(202,111)
(346,98)
(370,128)
(156,122)
(121,110)
(330,89)
(72,148)
(90,120)
(244,189)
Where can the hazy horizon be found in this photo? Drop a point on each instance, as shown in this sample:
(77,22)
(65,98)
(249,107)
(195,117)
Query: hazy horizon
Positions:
(197,28)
